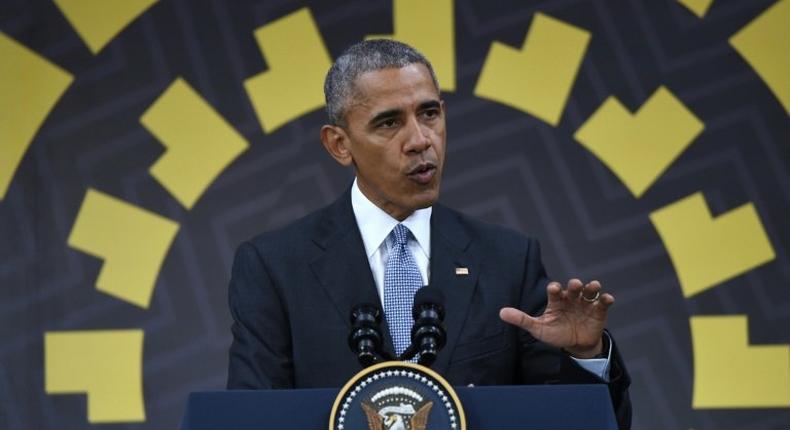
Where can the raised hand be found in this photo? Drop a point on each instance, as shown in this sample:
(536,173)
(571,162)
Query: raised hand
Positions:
(574,318)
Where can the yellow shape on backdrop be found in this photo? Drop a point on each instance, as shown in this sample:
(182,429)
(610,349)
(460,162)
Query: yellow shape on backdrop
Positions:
(429,27)
(98,21)
(730,373)
(30,86)
(133,243)
(298,61)
(763,44)
(639,147)
(707,251)
(698,7)
(107,365)
(537,78)
(200,143)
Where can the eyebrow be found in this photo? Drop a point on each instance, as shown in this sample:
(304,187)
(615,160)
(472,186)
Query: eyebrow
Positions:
(430,104)
(392,113)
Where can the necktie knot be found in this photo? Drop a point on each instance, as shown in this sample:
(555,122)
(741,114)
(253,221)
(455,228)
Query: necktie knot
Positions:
(400,235)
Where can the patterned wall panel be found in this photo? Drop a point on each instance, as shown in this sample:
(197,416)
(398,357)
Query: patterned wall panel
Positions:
(644,142)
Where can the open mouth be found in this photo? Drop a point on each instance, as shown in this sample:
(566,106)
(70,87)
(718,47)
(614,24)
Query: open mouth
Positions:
(423,173)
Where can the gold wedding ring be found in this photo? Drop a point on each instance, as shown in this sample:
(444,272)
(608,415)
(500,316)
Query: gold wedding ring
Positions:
(593,299)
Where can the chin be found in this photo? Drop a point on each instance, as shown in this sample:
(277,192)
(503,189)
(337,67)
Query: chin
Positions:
(426,199)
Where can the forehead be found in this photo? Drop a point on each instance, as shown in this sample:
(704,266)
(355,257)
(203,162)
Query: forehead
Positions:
(393,88)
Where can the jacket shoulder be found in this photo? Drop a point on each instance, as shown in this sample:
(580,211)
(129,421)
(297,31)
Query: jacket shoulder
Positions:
(312,231)
(483,231)
(297,230)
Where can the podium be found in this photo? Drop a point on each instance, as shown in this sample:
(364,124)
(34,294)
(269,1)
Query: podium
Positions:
(530,407)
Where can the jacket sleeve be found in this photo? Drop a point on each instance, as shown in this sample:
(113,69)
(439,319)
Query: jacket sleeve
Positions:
(260,354)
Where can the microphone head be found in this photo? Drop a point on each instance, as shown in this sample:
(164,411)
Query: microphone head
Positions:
(365,336)
(428,296)
(365,312)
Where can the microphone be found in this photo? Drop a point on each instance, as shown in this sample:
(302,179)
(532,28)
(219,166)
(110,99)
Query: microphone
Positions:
(365,337)
(428,334)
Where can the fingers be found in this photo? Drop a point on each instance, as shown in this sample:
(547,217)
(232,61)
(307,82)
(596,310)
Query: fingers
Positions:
(554,291)
(517,318)
(606,300)
(591,290)
(577,292)
(594,288)
(573,291)
(574,288)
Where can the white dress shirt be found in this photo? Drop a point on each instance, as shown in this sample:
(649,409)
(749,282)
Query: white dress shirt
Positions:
(375,225)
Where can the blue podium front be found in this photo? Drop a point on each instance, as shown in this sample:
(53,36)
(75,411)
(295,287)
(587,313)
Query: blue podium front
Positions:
(533,407)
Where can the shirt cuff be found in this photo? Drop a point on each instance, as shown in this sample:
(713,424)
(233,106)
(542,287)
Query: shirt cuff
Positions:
(597,366)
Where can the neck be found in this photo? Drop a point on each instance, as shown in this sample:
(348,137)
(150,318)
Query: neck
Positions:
(394,211)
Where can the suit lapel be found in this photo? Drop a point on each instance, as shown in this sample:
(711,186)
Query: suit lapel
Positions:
(450,249)
(343,269)
(344,272)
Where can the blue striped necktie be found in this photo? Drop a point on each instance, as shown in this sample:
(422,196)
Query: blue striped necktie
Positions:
(402,279)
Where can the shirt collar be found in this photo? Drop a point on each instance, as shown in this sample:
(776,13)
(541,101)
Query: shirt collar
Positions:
(375,224)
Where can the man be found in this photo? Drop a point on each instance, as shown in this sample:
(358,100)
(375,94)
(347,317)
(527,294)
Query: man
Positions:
(292,290)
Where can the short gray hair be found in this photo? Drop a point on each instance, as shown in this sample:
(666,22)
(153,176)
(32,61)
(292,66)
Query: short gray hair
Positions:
(365,56)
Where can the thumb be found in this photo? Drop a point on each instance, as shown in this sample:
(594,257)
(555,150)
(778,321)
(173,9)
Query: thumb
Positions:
(518,319)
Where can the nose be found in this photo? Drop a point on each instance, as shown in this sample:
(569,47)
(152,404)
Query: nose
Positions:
(418,139)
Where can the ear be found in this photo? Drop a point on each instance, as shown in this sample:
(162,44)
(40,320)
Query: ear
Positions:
(337,142)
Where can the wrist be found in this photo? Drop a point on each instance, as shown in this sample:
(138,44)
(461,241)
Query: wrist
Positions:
(600,350)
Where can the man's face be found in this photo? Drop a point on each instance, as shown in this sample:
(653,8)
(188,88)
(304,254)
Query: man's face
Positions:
(395,135)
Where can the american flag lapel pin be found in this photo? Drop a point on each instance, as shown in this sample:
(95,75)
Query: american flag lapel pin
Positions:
(461,271)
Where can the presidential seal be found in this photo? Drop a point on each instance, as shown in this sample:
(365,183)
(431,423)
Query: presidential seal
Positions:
(397,395)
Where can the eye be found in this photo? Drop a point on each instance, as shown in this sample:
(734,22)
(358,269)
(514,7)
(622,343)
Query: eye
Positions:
(431,113)
(388,123)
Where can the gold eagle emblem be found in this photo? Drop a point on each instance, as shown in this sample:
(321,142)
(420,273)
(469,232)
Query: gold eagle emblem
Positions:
(400,418)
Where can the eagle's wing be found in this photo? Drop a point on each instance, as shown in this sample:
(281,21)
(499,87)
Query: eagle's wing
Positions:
(420,418)
(374,421)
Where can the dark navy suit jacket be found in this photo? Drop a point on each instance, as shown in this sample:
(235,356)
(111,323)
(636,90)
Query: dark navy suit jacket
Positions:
(292,291)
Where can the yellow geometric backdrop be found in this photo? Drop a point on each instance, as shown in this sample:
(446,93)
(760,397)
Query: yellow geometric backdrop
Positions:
(645,144)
